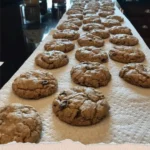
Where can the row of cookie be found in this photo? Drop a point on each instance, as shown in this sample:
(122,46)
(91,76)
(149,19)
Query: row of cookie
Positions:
(77,106)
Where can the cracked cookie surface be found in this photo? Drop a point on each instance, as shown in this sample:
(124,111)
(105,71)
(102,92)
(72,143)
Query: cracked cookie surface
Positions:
(126,54)
(111,22)
(137,74)
(104,14)
(90,74)
(92,54)
(91,26)
(35,84)
(100,33)
(51,60)
(79,16)
(91,19)
(124,39)
(63,45)
(73,11)
(67,25)
(120,30)
(76,21)
(20,123)
(119,18)
(81,106)
(66,34)
(88,39)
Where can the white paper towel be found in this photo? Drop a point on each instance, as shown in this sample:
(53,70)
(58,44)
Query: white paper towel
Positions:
(129,119)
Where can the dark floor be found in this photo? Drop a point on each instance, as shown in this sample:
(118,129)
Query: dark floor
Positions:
(19,39)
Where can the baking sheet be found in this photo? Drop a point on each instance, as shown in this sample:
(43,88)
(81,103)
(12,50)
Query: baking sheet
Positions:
(129,119)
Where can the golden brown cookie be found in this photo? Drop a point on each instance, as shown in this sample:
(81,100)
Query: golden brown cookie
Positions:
(126,54)
(79,16)
(88,39)
(66,34)
(137,74)
(91,19)
(124,39)
(63,45)
(111,22)
(91,26)
(119,18)
(92,54)
(120,30)
(81,106)
(35,84)
(67,25)
(103,13)
(51,60)
(100,33)
(20,123)
(90,74)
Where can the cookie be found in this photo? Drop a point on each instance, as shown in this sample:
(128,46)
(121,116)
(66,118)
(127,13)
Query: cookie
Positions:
(76,21)
(100,33)
(124,39)
(51,60)
(137,74)
(67,25)
(88,39)
(107,8)
(119,18)
(89,11)
(92,54)
(120,30)
(102,13)
(66,34)
(34,84)
(79,16)
(90,74)
(20,123)
(92,19)
(107,3)
(91,26)
(63,45)
(81,106)
(111,22)
(126,54)
(73,11)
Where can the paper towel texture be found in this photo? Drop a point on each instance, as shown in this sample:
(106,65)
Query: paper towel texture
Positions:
(129,119)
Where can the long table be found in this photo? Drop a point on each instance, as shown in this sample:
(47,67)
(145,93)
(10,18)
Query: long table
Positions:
(129,118)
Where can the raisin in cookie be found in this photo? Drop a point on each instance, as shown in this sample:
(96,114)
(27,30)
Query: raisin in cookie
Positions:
(34,84)
(120,30)
(91,74)
(119,18)
(67,25)
(92,54)
(66,34)
(81,106)
(100,33)
(123,39)
(91,19)
(63,45)
(20,123)
(76,21)
(88,39)
(79,16)
(126,54)
(102,13)
(51,60)
(137,74)
(91,26)
(111,22)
